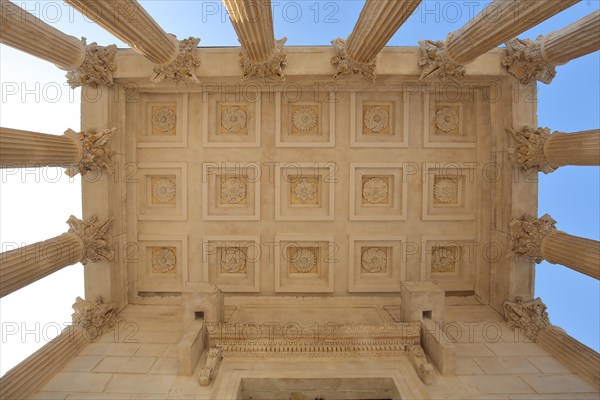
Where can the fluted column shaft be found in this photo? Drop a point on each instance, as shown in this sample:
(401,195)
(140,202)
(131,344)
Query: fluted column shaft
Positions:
(127,20)
(378,21)
(499,21)
(24,31)
(252,21)
(578,148)
(578,39)
(582,359)
(25,265)
(579,254)
(31,149)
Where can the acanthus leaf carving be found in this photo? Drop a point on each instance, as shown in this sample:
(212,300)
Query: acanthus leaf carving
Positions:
(346,66)
(94,236)
(527,235)
(95,151)
(95,317)
(528,151)
(525,61)
(270,69)
(97,67)
(437,64)
(183,69)
(529,316)
(416,356)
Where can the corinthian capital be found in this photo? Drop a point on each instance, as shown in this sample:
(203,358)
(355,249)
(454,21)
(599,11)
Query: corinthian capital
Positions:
(528,151)
(97,67)
(527,235)
(270,69)
(346,66)
(94,238)
(183,69)
(94,316)
(95,152)
(529,316)
(525,60)
(437,64)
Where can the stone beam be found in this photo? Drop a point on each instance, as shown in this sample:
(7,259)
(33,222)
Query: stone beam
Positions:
(498,22)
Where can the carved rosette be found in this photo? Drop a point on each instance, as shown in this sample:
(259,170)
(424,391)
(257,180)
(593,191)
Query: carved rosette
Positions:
(233,190)
(525,61)
(375,190)
(303,261)
(163,260)
(233,260)
(94,237)
(346,66)
(305,119)
(446,119)
(164,190)
(527,235)
(94,316)
(528,150)
(376,119)
(374,260)
(97,67)
(443,259)
(436,63)
(233,119)
(446,191)
(95,151)
(529,316)
(183,69)
(270,69)
(164,119)
(304,190)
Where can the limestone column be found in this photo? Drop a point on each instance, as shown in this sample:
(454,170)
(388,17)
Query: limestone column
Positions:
(495,24)
(539,239)
(262,56)
(537,148)
(129,21)
(79,152)
(531,318)
(86,241)
(531,60)
(378,21)
(87,64)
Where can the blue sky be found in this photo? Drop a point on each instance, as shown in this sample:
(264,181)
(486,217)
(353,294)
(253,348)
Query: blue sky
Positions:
(570,103)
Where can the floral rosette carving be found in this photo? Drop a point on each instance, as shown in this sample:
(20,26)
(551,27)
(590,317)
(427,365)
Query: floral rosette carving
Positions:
(375,190)
(305,119)
(234,119)
(446,119)
(443,259)
(304,190)
(374,260)
(303,261)
(446,191)
(164,190)
(233,260)
(233,190)
(163,260)
(164,119)
(376,119)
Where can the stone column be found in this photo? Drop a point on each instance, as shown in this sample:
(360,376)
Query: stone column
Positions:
(127,20)
(531,318)
(531,60)
(87,64)
(78,152)
(537,148)
(495,24)
(539,240)
(262,56)
(86,241)
(378,21)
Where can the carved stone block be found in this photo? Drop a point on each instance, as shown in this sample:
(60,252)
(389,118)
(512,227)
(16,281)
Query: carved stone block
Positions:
(450,260)
(379,119)
(162,264)
(163,118)
(451,119)
(162,191)
(378,191)
(230,119)
(306,119)
(449,191)
(232,262)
